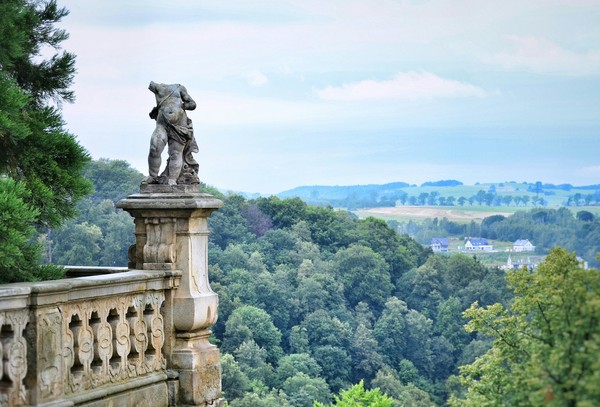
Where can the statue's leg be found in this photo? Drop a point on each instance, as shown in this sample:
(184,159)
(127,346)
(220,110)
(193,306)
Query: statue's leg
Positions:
(158,141)
(175,160)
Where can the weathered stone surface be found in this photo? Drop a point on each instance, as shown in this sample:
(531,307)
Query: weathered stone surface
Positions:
(169,189)
(150,391)
(198,364)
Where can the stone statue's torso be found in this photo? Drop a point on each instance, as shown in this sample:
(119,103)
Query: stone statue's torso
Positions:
(171,110)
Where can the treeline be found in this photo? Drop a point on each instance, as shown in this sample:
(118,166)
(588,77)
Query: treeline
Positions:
(488,198)
(546,228)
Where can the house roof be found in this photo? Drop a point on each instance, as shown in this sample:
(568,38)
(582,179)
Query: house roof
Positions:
(521,242)
(442,241)
(478,241)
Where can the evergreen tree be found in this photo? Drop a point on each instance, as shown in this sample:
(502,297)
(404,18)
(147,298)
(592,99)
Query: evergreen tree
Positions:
(35,148)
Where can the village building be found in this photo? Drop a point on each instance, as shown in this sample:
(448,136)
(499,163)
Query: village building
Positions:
(439,244)
(478,244)
(523,245)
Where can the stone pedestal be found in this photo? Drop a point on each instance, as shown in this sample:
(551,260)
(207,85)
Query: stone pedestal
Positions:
(171,229)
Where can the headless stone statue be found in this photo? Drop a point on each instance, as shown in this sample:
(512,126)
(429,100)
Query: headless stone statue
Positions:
(173,129)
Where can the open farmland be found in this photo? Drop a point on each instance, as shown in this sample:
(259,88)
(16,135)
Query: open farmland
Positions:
(456,214)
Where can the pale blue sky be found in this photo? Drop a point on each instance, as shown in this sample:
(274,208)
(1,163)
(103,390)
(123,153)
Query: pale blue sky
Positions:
(346,92)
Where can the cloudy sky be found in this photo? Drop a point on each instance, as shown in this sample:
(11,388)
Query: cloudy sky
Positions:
(344,92)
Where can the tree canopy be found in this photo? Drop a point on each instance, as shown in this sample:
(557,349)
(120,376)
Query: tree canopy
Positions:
(545,345)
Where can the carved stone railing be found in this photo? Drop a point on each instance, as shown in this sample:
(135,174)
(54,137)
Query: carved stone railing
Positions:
(69,342)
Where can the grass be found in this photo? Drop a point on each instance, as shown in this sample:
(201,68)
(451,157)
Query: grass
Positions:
(458,214)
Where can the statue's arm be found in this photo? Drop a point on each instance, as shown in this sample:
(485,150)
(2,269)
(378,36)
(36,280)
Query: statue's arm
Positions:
(188,102)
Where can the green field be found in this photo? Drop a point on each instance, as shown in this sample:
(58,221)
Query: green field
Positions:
(458,214)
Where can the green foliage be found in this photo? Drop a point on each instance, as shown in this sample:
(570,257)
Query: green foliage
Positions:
(100,234)
(404,395)
(302,390)
(17,254)
(323,283)
(234,381)
(290,365)
(252,323)
(79,244)
(261,398)
(112,179)
(546,346)
(313,300)
(35,148)
(365,276)
(357,396)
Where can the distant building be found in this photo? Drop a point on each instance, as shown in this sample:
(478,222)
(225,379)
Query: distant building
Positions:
(523,245)
(514,265)
(439,244)
(478,244)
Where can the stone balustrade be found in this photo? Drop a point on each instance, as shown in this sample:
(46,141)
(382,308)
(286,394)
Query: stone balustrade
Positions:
(67,342)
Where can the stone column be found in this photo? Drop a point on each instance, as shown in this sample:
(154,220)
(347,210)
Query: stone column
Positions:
(171,229)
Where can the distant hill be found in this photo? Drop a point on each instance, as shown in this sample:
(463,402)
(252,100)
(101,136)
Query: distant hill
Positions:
(443,183)
(447,193)
(352,196)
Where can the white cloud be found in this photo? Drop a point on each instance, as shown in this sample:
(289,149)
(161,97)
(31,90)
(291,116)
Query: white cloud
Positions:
(540,55)
(256,78)
(404,86)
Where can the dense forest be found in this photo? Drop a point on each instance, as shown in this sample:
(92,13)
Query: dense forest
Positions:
(315,302)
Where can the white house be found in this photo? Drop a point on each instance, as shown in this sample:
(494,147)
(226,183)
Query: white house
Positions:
(439,244)
(523,245)
(478,244)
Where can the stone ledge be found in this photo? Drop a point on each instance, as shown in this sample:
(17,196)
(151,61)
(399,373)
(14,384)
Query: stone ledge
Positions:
(145,390)
(77,289)
(170,200)
(169,189)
